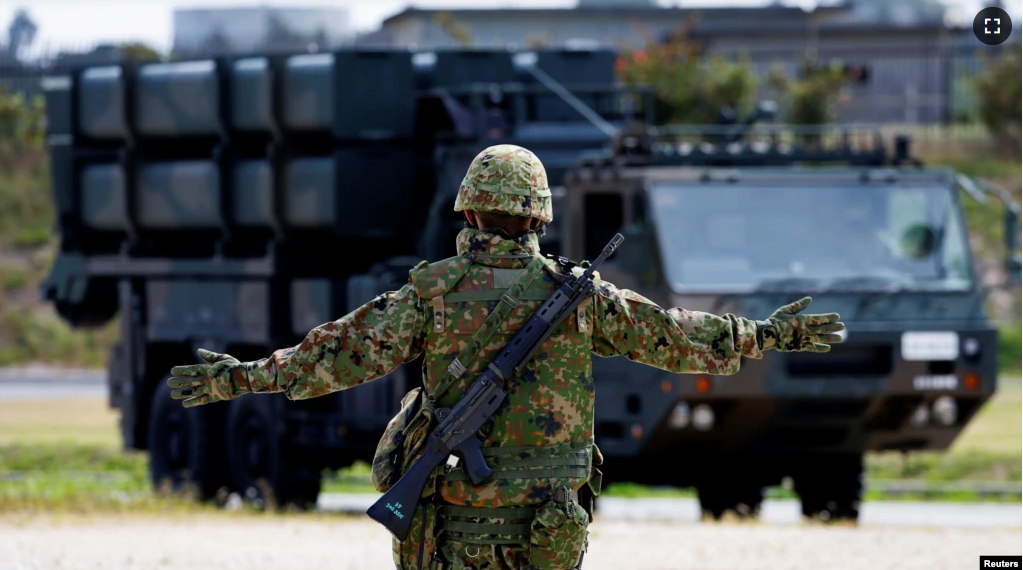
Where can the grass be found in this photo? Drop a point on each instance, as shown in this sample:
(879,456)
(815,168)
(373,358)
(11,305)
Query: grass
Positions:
(996,429)
(1010,344)
(37,334)
(72,422)
(31,331)
(26,208)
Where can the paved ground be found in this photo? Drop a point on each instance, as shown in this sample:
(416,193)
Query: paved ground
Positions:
(38,382)
(354,543)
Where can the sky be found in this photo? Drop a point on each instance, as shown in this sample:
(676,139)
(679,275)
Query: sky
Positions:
(74,23)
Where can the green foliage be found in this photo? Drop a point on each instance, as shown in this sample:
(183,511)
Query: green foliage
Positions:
(1000,91)
(26,206)
(13,278)
(1010,345)
(26,209)
(813,98)
(974,465)
(71,458)
(139,51)
(39,335)
(22,126)
(689,86)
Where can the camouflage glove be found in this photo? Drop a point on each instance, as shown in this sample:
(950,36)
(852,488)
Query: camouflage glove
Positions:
(222,378)
(786,331)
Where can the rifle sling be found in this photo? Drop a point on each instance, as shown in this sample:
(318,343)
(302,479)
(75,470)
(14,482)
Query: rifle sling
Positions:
(509,300)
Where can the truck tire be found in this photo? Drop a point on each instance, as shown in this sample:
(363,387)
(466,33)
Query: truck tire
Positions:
(830,488)
(183,458)
(741,499)
(262,472)
(730,487)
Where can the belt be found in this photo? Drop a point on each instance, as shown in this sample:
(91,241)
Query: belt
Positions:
(474,525)
(570,459)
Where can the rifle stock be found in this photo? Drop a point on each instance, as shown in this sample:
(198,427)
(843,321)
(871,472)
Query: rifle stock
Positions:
(395,508)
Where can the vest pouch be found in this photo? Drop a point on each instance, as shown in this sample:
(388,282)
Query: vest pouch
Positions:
(591,490)
(557,537)
(414,436)
(387,460)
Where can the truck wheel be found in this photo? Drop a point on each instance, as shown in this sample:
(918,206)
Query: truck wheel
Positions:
(739,498)
(260,468)
(830,488)
(183,458)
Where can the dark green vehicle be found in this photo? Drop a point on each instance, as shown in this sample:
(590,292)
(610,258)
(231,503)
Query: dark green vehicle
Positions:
(234,204)
(736,227)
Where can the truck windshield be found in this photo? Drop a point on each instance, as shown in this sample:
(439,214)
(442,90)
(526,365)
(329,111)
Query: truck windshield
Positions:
(742,238)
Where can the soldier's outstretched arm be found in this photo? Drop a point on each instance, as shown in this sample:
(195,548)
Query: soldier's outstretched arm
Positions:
(681,341)
(363,345)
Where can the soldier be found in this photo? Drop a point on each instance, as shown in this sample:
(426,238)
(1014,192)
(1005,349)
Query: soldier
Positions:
(533,512)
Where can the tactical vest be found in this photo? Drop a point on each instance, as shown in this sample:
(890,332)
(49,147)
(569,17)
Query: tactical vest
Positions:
(541,439)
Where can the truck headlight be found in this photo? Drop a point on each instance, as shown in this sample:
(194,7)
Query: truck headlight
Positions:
(680,416)
(920,416)
(945,410)
(703,417)
(971,349)
(971,346)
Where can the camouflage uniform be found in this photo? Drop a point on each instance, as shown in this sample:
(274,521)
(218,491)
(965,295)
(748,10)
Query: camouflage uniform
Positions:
(541,443)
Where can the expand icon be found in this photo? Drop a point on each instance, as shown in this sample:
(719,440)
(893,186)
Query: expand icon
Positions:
(992,26)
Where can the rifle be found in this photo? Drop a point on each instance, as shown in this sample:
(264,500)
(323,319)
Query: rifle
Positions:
(457,426)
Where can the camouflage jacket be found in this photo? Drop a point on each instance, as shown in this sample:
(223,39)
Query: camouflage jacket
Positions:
(549,407)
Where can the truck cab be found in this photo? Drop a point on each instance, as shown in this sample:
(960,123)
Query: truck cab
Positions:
(745,227)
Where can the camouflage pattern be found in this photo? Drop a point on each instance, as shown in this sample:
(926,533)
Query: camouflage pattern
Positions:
(385,468)
(787,331)
(406,554)
(506,179)
(222,378)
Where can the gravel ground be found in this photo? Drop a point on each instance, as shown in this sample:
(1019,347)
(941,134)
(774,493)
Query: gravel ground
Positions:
(193,542)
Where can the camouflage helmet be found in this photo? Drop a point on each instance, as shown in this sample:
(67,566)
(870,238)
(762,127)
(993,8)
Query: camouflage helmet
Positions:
(506,179)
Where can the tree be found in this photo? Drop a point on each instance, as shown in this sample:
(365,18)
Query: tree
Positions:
(999,87)
(689,87)
(813,97)
(22,125)
(138,51)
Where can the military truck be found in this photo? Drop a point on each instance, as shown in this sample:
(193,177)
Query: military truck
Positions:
(746,219)
(235,203)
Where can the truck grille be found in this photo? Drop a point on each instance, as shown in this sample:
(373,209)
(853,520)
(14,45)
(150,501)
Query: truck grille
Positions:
(841,360)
